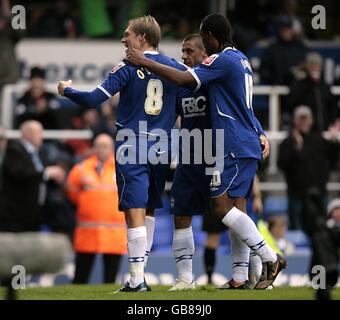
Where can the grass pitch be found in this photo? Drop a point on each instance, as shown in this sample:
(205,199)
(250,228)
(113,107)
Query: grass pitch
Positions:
(105,292)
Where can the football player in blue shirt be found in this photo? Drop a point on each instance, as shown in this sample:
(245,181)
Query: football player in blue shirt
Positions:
(146,112)
(190,187)
(228,75)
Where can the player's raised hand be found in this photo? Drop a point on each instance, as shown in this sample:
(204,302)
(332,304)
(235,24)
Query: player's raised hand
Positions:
(135,56)
(265,146)
(62,85)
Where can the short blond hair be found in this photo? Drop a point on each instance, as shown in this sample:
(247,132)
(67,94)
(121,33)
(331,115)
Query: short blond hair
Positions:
(148,26)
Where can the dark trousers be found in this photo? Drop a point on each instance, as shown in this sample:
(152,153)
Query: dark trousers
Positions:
(295,212)
(84,263)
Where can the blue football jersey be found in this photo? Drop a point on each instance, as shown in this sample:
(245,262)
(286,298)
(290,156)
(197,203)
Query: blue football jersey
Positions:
(229,78)
(193,108)
(143,96)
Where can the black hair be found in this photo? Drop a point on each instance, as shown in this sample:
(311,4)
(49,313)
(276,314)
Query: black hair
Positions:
(37,72)
(219,26)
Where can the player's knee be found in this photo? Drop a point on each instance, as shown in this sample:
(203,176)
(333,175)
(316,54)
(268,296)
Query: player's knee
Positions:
(150,212)
(182,222)
(212,240)
(218,209)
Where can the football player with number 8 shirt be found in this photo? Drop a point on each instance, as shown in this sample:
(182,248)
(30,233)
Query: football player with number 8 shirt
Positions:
(146,111)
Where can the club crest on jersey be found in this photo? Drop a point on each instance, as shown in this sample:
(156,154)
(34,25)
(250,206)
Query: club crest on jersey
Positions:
(208,61)
(117,67)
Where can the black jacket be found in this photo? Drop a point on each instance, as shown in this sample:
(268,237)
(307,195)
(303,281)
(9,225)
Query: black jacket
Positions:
(318,97)
(277,62)
(27,110)
(309,167)
(19,208)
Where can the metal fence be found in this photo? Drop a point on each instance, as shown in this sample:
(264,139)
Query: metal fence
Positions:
(275,136)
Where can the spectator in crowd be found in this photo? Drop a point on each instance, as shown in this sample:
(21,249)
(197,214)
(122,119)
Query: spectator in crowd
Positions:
(101,228)
(324,240)
(58,21)
(288,8)
(37,103)
(58,211)
(99,120)
(312,91)
(277,225)
(24,177)
(333,221)
(306,159)
(280,59)
(3,144)
(333,210)
(9,66)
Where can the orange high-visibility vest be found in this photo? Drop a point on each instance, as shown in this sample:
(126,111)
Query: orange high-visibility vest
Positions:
(101,228)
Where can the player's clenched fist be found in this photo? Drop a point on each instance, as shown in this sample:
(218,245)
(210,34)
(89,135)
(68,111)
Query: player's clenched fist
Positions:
(62,85)
(265,146)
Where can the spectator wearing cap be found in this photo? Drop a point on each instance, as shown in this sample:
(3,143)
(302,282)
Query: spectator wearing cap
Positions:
(312,91)
(333,221)
(306,159)
(281,57)
(37,103)
(333,211)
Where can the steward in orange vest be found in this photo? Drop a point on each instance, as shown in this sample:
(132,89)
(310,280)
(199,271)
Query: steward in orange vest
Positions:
(101,228)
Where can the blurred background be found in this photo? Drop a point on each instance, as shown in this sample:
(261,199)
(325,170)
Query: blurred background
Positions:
(296,98)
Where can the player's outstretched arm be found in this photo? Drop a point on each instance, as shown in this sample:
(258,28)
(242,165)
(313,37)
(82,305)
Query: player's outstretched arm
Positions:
(90,99)
(181,78)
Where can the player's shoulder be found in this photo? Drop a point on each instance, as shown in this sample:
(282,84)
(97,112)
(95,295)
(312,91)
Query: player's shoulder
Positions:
(122,66)
(171,62)
(222,58)
(235,57)
(226,53)
(211,59)
(231,53)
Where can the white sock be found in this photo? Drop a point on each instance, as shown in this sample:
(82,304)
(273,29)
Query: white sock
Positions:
(184,249)
(136,251)
(240,258)
(150,228)
(255,267)
(245,228)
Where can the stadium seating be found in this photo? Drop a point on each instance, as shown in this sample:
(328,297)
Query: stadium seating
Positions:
(274,205)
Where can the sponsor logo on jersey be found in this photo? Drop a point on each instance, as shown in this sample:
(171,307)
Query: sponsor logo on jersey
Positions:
(117,67)
(208,61)
(194,107)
